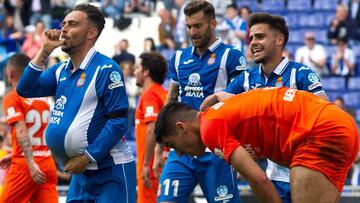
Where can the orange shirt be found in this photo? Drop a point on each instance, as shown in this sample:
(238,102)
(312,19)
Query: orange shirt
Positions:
(150,103)
(36,113)
(268,123)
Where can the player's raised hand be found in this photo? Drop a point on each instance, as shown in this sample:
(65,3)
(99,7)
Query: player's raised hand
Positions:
(5,161)
(51,39)
(36,174)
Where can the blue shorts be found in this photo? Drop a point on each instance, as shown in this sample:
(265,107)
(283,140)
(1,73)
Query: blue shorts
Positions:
(113,184)
(283,189)
(182,173)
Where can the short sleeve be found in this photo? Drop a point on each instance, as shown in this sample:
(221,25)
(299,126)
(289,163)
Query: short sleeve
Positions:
(237,85)
(218,137)
(172,73)
(13,110)
(307,80)
(151,105)
(235,63)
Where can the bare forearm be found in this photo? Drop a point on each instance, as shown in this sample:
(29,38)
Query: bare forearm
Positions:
(173,93)
(150,144)
(25,145)
(41,57)
(264,191)
(209,101)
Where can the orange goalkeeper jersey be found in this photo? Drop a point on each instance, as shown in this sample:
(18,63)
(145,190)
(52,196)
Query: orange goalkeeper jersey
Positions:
(267,122)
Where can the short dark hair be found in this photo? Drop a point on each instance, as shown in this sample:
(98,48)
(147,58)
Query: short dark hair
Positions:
(94,15)
(171,113)
(18,62)
(275,22)
(200,5)
(156,64)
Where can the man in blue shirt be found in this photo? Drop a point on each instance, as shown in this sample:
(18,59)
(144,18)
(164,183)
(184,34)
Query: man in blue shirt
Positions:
(195,73)
(89,117)
(268,37)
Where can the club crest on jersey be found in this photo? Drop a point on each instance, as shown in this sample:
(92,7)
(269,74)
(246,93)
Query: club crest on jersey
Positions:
(212,59)
(115,77)
(222,192)
(279,82)
(194,87)
(219,153)
(81,81)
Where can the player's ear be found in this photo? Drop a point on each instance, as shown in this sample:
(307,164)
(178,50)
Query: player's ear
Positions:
(146,72)
(180,126)
(92,33)
(213,24)
(280,39)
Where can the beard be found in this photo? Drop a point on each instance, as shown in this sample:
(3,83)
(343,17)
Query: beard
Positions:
(203,39)
(67,49)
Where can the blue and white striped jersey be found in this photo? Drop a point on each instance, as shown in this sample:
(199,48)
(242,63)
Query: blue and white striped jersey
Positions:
(287,74)
(199,77)
(88,102)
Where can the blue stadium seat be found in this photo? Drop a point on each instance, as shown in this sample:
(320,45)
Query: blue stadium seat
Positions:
(328,16)
(291,20)
(296,36)
(353,83)
(334,83)
(333,94)
(300,5)
(273,5)
(326,4)
(310,19)
(252,4)
(352,99)
(292,47)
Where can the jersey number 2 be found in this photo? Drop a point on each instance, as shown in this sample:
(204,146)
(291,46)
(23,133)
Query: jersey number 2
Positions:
(34,116)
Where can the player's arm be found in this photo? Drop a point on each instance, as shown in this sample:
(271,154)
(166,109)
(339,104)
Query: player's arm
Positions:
(307,80)
(262,187)
(173,93)
(34,82)
(23,139)
(149,153)
(158,162)
(214,98)
(235,87)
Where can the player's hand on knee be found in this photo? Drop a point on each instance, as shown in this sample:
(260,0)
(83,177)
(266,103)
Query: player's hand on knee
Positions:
(36,174)
(5,161)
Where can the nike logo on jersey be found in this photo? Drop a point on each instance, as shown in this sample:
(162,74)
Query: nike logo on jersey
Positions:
(63,78)
(188,61)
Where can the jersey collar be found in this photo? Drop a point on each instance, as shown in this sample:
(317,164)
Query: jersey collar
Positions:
(85,61)
(280,68)
(213,46)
